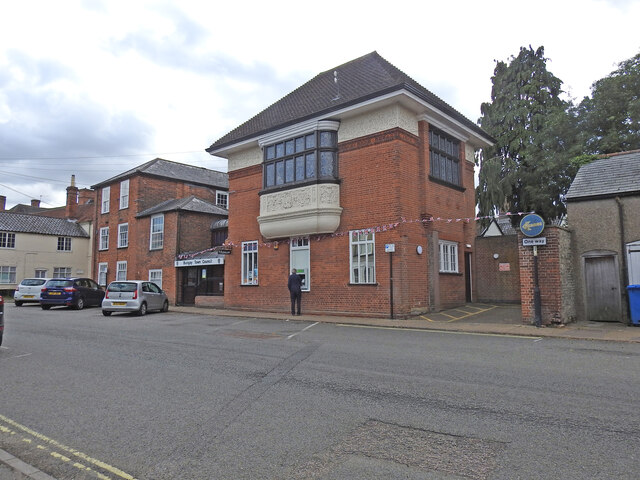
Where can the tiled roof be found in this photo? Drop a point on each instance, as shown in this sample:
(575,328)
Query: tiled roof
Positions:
(176,171)
(359,80)
(191,204)
(613,175)
(20,223)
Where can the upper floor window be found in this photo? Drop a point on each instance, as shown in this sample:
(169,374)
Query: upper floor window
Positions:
(448,257)
(157,232)
(123,235)
(106,193)
(7,240)
(64,244)
(444,154)
(104,238)
(313,156)
(124,194)
(222,199)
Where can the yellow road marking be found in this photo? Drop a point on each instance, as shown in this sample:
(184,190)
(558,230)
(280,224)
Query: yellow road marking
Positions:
(68,450)
(455,318)
(450,332)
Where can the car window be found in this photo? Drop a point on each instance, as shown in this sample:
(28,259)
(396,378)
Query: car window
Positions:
(81,283)
(93,285)
(59,283)
(32,282)
(145,287)
(122,287)
(154,288)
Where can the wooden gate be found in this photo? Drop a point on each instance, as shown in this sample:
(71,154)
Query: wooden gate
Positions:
(602,285)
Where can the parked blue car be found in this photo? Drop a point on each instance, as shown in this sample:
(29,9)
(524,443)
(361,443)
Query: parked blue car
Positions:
(71,292)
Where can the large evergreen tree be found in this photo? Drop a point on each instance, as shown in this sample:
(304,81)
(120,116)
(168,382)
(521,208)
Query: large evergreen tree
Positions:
(529,167)
(610,118)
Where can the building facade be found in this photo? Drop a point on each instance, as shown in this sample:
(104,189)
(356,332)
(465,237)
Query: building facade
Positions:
(148,216)
(363,181)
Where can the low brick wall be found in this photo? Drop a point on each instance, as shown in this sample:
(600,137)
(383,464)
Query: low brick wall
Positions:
(210,301)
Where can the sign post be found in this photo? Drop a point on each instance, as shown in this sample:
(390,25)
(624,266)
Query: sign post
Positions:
(531,226)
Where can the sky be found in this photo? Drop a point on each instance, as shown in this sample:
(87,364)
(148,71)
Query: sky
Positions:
(93,88)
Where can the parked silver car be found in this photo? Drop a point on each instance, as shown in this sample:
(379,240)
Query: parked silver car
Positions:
(28,291)
(134,296)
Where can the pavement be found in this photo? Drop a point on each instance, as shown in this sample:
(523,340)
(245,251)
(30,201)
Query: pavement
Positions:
(488,319)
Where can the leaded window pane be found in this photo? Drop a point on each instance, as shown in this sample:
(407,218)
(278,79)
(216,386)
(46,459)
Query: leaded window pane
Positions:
(271,175)
(288,147)
(299,144)
(271,152)
(311,165)
(310,140)
(279,150)
(279,173)
(326,164)
(299,168)
(327,139)
(289,177)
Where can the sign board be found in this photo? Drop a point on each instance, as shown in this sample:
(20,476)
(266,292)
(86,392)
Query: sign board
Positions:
(389,247)
(224,251)
(532,225)
(530,242)
(504,267)
(197,262)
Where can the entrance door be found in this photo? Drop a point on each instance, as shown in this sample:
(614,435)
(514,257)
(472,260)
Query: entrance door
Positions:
(189,283)
(602,288)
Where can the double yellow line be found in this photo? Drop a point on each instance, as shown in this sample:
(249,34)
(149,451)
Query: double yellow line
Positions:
(454,318)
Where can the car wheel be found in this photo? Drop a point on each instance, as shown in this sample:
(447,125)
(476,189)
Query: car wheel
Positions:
(165,306)
(79,304)
(18,304)
(45,307)
(105,313)
(143,309)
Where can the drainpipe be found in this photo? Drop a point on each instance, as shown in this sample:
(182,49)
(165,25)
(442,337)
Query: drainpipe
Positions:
(623,254)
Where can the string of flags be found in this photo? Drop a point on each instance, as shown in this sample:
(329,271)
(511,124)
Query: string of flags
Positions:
(377,229)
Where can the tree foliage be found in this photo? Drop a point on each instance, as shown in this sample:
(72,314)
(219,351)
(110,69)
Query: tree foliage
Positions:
(529,168)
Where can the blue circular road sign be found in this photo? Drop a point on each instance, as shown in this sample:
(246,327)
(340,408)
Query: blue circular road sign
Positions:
(532,225)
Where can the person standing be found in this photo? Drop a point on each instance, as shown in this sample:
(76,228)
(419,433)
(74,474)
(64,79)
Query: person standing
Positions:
(295,289)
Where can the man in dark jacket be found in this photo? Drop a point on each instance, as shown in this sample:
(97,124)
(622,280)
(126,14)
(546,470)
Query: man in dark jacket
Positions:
(295,289)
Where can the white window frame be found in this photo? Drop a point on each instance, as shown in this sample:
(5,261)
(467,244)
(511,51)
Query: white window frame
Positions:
(123,235)
(104,238)
(106,193)
(40,273)
(362,257)
(121,270)
(222,199)
(124,194)
(8,240)
(155,276)
(7,274)
(300,259)
(62,272)
(448,256)
(249,273)
(103,268)
(156,235)
(65,243)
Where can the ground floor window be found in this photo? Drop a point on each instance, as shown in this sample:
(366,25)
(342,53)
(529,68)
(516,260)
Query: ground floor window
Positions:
(155,276)
(362,258)
(102,274)
(250,263)
(62,272)
(448,257)
(121,271)
(40,273)
(7,274)
(300,260)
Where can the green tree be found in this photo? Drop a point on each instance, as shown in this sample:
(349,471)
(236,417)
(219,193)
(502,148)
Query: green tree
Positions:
(610,118)
(529,168)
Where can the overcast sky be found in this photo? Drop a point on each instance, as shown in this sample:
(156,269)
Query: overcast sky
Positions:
(96,87)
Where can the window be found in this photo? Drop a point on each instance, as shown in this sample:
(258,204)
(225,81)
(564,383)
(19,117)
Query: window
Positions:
(104,238)
(312,156)
(124,194)
(61,272)
(444,153)
(448,257)
(362,259)
(300,260)
(250,263)
(7,240)
(121,270)
(222,199)
(7,274)
(106,192)
(64,244)
(123,235)
(157,232)
(102,274)
(40,273)
(155,276)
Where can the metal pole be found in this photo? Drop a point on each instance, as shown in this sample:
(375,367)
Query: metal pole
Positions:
(537,306)
(391,282)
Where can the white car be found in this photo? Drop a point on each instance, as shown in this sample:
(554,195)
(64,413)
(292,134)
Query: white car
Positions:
(137,296)
(28,291)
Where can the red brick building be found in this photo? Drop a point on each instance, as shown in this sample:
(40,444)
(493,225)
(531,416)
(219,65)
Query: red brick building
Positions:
(356,162)
(150,218)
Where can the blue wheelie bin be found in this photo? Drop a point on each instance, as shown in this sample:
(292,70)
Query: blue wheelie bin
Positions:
(634,303)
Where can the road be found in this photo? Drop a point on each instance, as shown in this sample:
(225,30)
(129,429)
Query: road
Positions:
(174,395)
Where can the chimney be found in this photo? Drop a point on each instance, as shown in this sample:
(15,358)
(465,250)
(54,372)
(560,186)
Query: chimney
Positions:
(35,203)
(72,199)
(3,203)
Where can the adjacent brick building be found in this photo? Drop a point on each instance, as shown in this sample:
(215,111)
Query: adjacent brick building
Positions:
(149,217)
(359,160)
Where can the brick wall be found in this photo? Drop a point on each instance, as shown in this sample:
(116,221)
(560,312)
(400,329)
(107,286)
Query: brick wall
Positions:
(497,280)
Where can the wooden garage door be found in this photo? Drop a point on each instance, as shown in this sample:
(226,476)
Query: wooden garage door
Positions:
(603,289)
